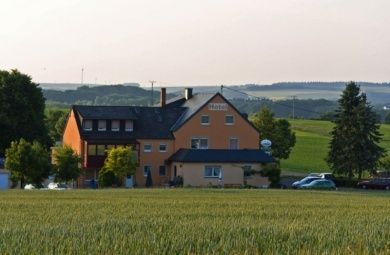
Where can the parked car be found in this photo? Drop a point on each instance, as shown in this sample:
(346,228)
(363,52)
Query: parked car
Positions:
(305,180)
(377,183)
(30,186)
(57,186)
(319,184)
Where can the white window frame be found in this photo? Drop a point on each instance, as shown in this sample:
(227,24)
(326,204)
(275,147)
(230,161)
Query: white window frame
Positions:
(105,126)
(132,126)
(166,147)
(205,123)
(213,168)
(148,150)
(119,125)
(228,123)
(199,142)
(87,129)
(238,143)
(150,169)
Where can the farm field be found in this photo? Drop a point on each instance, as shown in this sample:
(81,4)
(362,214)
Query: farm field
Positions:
(194,221)
(312,145)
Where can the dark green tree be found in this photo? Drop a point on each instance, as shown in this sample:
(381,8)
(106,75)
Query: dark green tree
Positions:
(354,146)
(149,181)
(278,131)
(21,110)
(55,123)
(66,164)
(28,163)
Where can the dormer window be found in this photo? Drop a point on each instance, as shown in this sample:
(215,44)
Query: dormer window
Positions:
(87,125)
(129,125)
(102,125)
(115,125)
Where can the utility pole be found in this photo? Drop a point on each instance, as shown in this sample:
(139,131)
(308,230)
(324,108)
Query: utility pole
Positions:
(152,99)
(293,108)
(82,75)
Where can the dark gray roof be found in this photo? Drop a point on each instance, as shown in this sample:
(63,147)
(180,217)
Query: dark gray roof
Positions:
(106,112)
(221,156)
(192,106)
(150,122)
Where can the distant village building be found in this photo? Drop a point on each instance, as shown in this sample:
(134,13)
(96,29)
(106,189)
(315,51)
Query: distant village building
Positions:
(202,139)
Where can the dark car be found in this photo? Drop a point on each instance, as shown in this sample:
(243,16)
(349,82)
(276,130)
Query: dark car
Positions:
(377,183)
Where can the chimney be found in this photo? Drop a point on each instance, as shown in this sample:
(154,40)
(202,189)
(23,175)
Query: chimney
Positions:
(188,93)
(163,97)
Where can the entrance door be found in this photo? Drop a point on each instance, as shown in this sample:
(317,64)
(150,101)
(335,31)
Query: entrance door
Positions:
(3,180)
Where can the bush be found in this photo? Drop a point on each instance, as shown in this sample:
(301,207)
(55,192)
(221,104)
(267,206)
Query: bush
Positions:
(272,171)
(107,178)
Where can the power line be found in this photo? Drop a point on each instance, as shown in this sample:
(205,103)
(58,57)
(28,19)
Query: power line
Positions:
(275,102)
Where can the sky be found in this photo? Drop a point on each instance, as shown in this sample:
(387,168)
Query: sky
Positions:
(196,42)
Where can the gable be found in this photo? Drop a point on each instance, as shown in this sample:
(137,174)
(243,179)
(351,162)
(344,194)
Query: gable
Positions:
(217,131)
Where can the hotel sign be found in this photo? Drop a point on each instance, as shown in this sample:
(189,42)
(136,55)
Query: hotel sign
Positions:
(218,106)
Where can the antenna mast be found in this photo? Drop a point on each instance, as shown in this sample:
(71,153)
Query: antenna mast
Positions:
(152,99)
(82,75)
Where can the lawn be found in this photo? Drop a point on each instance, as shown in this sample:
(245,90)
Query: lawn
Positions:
(312,143)
(194,221)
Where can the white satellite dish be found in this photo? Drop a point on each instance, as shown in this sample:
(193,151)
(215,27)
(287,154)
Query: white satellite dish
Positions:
(266,143)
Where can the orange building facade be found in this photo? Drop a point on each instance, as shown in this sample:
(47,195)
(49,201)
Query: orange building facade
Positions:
(166,138)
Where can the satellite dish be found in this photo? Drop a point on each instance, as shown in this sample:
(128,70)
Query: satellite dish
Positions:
(266,143)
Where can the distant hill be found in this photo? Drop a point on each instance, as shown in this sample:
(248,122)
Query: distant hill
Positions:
(312,99)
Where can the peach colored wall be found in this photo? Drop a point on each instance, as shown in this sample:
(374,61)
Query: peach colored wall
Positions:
(71,135)
(155,158)
(233,174)
(217,132)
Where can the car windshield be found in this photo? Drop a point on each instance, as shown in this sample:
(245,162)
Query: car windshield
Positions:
(308,179)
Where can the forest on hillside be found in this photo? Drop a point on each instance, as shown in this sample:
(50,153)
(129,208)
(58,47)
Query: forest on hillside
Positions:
(246,98)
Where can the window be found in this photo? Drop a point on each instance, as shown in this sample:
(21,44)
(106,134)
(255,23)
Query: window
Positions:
(229,120)
(110,146)
(212,172)
(162,171)
(147,169)
(129,125)
(91,149)
(147,148)
(102,125)
(247,170)
(87,125)
(199,143)
(101,150)
(115,125)
(162,147)
(205,120)
(233,143)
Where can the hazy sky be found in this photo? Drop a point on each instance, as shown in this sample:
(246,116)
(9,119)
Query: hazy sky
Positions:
(196,42)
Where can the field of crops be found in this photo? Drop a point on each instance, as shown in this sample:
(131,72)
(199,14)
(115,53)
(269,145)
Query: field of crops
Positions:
(312,145)
(190,221)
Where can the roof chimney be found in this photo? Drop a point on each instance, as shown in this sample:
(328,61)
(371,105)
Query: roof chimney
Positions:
(187,93)
(163,97)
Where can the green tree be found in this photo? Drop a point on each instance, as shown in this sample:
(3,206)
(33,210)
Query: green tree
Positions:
(278,131)
(122,161)
(387,118)
(21,110)
(66,164)
(354,146)
(27,162)
(55,123)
